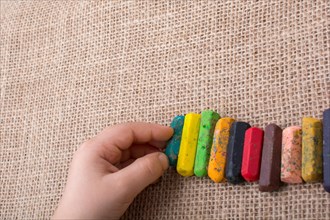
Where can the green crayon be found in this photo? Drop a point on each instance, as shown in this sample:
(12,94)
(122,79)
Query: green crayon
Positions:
(208,120)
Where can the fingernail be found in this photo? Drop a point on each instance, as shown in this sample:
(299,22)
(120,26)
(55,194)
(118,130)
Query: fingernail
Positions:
(164,160)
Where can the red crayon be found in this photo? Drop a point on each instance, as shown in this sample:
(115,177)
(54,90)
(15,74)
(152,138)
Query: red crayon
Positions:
(252,154)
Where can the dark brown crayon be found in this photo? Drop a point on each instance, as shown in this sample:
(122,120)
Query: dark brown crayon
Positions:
(270,170)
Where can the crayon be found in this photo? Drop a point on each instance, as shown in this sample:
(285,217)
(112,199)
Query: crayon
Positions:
(173,145)
(208,120)
(187,151)
(312,161)
(217,163)
(235,152)
(291,155)
(270,169)
(252,154)
(326,150)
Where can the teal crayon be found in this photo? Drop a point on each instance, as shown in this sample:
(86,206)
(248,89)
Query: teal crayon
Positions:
(173,145)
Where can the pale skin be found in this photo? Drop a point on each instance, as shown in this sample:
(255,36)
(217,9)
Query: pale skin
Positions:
(111,169)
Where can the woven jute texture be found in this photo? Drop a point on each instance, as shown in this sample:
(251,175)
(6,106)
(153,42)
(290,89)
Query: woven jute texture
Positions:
(71,68)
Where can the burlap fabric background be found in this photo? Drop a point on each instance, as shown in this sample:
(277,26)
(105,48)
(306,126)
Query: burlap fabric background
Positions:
(71,68)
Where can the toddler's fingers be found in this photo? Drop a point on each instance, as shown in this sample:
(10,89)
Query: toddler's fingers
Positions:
(141,173)
(120,137)
(124,135)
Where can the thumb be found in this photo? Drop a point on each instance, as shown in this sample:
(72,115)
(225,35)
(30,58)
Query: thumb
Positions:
(142,172)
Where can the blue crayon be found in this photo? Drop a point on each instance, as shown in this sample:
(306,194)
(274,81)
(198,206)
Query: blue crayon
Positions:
(173,145)
(326,150)
(235,152)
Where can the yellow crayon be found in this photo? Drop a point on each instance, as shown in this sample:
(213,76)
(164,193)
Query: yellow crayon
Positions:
(217,163)
(187,152)
(312,167)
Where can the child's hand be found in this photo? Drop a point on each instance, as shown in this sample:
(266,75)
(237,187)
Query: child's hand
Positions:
(108,171)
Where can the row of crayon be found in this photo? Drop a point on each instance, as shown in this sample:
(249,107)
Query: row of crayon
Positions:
(224,149)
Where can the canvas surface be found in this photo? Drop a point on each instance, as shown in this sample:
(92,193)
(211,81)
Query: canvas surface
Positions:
(71,68)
